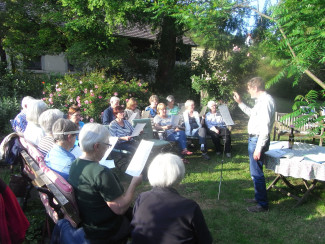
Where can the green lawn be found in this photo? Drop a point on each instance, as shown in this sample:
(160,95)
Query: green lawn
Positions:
(227,218)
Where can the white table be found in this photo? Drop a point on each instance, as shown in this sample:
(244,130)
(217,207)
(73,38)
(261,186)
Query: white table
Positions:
(304,161)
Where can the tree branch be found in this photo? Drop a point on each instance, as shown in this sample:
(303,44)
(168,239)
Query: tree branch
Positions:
(307,71)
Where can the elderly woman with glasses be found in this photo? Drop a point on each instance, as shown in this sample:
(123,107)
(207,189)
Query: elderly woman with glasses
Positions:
(122,129)
(59,159)
(161,215)
(102,202)
(74,114)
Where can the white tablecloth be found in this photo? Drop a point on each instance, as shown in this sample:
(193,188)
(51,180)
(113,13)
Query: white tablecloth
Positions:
(299,162)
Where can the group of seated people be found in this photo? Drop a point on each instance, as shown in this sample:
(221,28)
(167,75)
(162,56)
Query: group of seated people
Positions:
(190,124)
(73,150)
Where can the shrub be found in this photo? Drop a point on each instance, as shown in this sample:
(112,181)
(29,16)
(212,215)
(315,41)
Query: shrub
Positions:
(92,92)
(9,108)
(22,84)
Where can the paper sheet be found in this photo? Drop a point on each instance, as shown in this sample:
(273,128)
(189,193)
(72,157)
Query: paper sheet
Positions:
(112,141)
(174,120)
(278,145)
(132,117)
(140,158)
(76,151)
(138,128)
(225,114)
(318,158)
(108,163)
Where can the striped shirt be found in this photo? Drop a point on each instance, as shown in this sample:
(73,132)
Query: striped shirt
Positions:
(46,144)
(118,131)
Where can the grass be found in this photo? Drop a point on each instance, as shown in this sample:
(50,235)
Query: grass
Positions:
(227,218)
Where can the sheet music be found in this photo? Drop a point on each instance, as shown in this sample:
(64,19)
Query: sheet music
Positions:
(76,151)
(145,114)
(132,117)
(140,158)
(203,111)
(112,141)
(138,128)
(225,114)
(174,120)
(108,163)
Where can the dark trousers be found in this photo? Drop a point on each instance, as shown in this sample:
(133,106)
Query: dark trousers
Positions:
(224,134)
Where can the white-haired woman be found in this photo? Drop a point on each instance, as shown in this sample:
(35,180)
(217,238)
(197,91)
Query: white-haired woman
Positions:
(162,215)
(102,203)
(59,158)
(108,115)
(217,129)
(193,126)
(172,109)
(34,132)
(19,123)
(46,120)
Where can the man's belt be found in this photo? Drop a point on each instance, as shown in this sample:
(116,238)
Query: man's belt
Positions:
(252,135)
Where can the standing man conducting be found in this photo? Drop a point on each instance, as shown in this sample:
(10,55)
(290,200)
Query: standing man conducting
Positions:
(261,119)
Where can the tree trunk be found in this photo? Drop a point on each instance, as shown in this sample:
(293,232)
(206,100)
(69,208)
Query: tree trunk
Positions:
(3,54)
(167,55)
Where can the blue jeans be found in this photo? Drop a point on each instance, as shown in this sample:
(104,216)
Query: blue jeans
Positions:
(256,170)
(178,136)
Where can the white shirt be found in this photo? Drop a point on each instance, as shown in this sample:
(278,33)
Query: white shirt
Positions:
(33,133)
(261,118)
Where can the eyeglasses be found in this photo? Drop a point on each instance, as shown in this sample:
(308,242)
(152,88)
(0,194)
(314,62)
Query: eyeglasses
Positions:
(76,115)
(107,144)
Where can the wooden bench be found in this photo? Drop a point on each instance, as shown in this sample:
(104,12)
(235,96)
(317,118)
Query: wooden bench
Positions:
(55,192)
(283,125)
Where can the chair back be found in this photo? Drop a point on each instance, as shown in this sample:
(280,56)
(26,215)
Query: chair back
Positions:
(147,130)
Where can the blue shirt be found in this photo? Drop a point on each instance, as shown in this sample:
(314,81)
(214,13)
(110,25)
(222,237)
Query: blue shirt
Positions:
(108,116)
(59,160)
(19,124)
(153,111)
(81,124)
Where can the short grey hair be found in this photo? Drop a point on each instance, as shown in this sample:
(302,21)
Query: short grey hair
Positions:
(211,103)
(47,119)
(61,126)
(34,110)
(257,82)
(188,102)
(114,99)
(26,100)
(91,134)
(170,98)
(166,170)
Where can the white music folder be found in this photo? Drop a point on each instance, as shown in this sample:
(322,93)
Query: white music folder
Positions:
(140,158)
